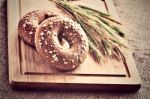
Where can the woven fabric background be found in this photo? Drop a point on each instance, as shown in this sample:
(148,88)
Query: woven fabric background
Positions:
(135,15)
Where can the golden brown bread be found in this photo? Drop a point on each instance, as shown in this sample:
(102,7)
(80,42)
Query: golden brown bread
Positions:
(50,36)
(60,40)
(29,23)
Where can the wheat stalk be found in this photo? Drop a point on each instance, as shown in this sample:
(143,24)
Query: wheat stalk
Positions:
(96,23)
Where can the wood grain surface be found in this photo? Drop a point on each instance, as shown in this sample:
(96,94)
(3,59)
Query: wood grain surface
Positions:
(26,67)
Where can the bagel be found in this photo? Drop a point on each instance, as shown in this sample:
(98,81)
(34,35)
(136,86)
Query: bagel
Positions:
(29,23)
(50,37)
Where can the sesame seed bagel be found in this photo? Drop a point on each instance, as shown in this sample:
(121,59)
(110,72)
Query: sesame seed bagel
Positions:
(50,37)
(29,23)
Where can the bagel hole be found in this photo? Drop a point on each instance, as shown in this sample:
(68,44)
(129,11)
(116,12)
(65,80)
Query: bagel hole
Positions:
(46,17)
(63,42)
(49,16)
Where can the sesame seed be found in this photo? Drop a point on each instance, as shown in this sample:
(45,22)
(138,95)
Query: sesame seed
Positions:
(54,56)
(42,38)
(24,25)
(40,43)
(30,32)
(66,27)
(52,61)
(73,66)
(65,23)
(54,51)
(50,52)
(55,59)
(50,23)
(49,32)
(71,34)
(28,22)
(74,54)
(63,34)
(77,57)
(44,25)
(51,45)
(73,61)
(65,62)
(25,21)
(41,34)
(46,50)
(46,42)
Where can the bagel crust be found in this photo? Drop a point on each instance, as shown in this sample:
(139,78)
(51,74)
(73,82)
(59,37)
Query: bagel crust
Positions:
(49,38)
(30,22)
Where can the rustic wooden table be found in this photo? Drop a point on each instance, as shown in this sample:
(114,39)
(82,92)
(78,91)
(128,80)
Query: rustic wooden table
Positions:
(135,15)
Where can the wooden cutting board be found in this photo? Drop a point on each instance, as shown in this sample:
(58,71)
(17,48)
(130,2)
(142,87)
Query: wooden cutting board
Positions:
(27,69)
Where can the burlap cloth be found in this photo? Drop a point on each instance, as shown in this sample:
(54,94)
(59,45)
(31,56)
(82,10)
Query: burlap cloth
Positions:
(135,15)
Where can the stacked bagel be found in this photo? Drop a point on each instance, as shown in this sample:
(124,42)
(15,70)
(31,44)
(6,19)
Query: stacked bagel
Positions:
(49,33)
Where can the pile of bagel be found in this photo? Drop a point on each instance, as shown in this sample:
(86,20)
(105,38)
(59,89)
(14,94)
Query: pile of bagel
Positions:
(58,39)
